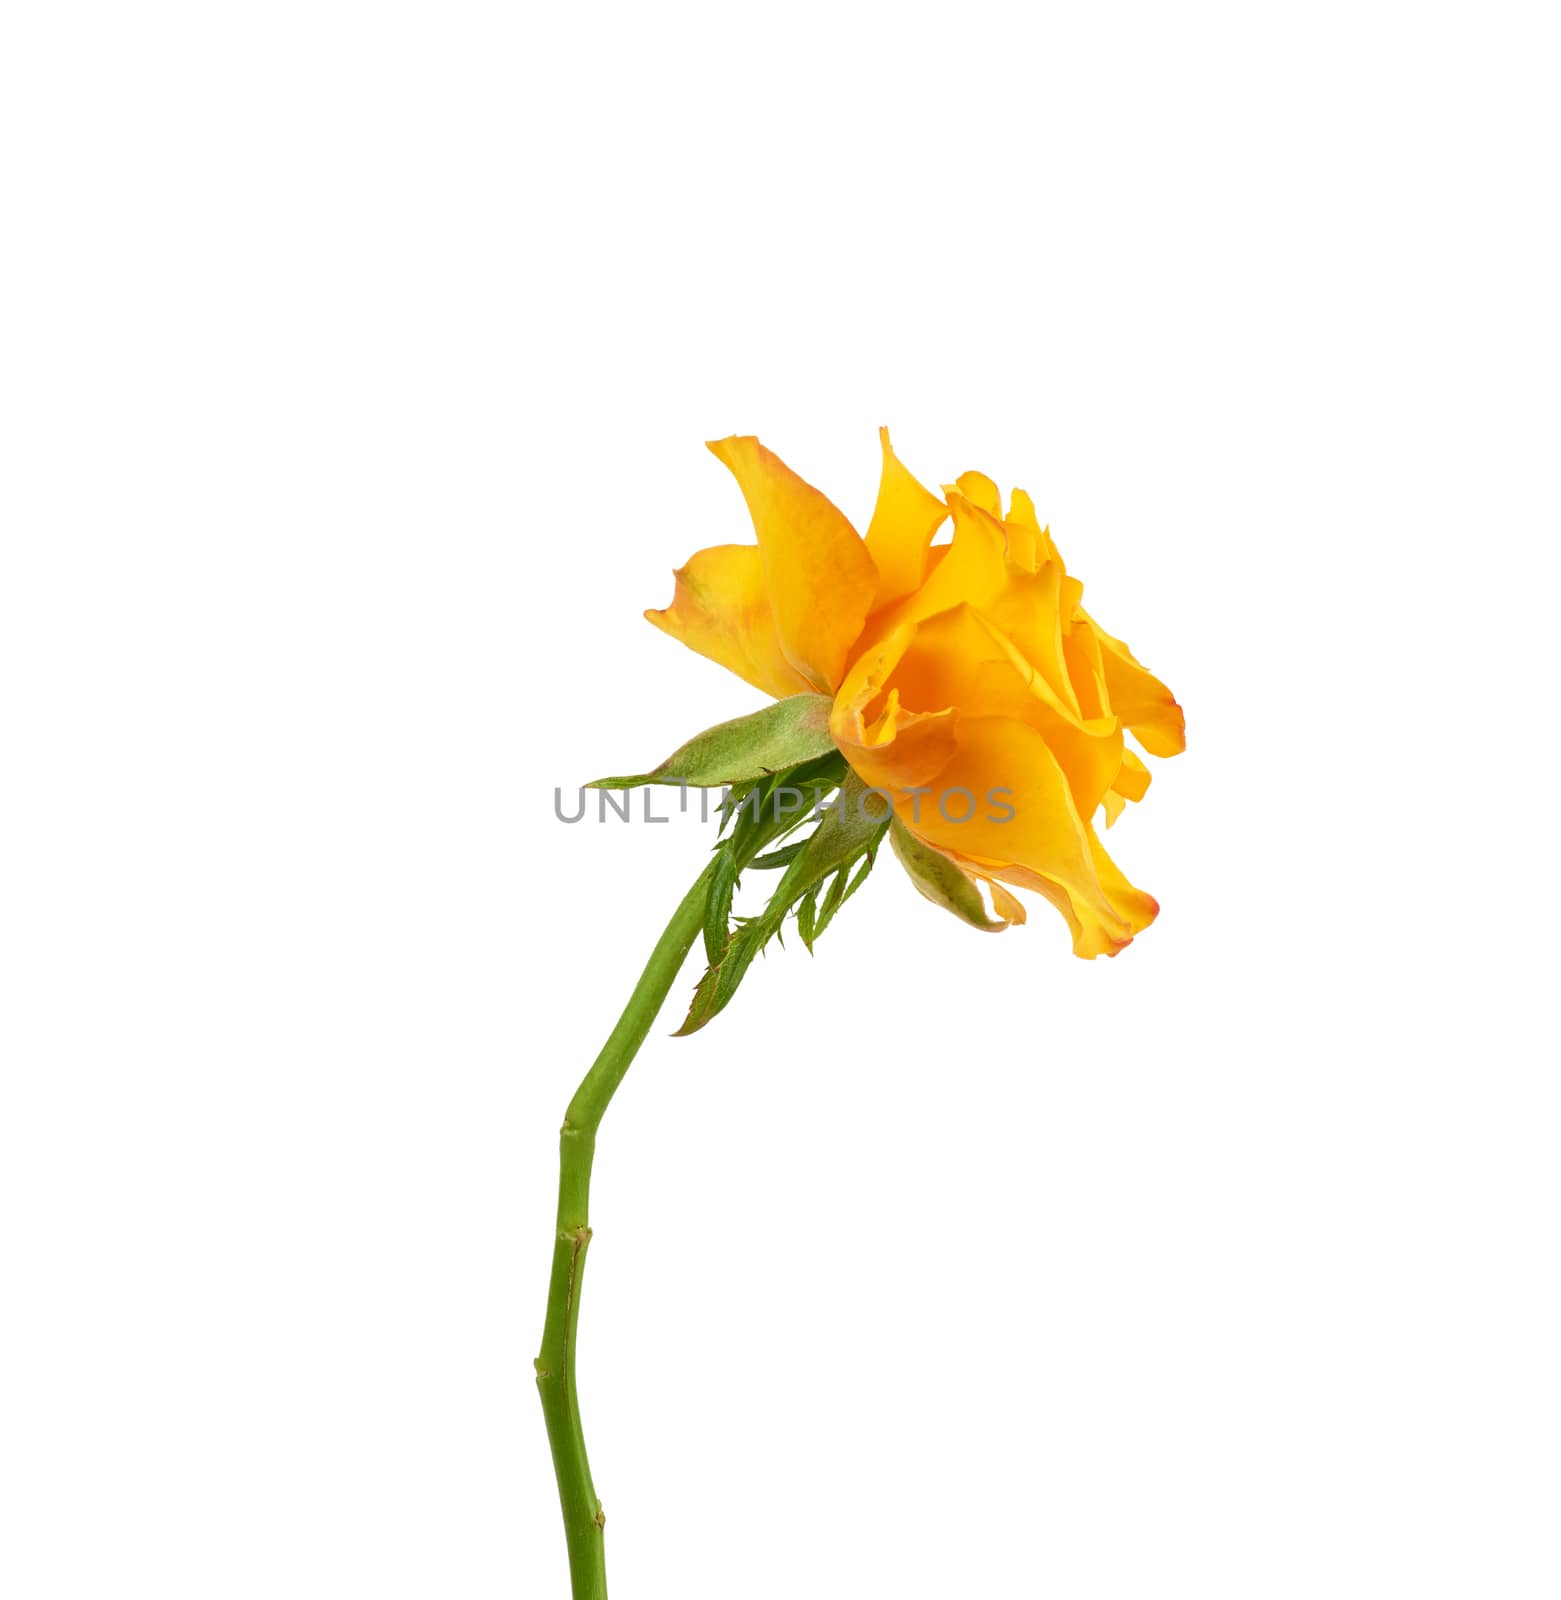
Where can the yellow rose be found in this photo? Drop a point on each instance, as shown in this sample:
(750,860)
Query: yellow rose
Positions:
(968,681)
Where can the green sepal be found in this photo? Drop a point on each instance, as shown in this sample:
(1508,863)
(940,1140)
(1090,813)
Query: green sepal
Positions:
(779,858)
(847,837)
(780,736)
(807,913)
(842,886)
(718,903)
(750,809)
(940,879)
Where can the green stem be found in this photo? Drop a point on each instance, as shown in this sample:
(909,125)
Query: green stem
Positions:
(583,1518)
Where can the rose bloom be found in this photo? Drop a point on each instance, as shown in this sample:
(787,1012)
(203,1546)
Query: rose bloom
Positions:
(958,672)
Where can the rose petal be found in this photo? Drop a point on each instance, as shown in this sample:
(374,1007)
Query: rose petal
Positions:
(904,521)
(721,608)
(818,573)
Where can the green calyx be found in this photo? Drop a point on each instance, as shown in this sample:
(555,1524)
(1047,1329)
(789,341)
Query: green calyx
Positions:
(819,873)
(783,773)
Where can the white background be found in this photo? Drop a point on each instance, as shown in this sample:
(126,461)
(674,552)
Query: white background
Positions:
(356,366)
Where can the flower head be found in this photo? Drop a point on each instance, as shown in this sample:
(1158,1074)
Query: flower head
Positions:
(968,682)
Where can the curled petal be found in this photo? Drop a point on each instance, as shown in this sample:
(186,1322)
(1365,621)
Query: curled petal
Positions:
(1138,697)
(1131,782)
(1029,544)
(981,491)
(971,567)
(903,748)
(1139,908)
(1086,671)
(721,608)
(1004,904)
(904,521)
(890,746)
(818,574)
